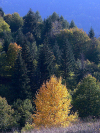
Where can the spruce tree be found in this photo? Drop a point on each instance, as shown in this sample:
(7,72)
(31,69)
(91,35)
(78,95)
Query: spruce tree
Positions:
(29,56)
(38,17)
(57,53)
(72,24)
(19,39)
(91,33)
(67,59)
(45,63)
(30,24)
(1,12)
(7,40)
(64,23)
(20,81)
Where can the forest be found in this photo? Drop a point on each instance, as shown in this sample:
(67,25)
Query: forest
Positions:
(35,51)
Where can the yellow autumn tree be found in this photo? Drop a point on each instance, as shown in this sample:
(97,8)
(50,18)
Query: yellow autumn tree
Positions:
(53,104)
(12,52)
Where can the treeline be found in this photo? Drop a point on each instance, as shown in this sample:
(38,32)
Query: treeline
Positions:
(32,50)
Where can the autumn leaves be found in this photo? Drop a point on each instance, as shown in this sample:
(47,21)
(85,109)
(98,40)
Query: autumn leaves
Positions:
(53,104)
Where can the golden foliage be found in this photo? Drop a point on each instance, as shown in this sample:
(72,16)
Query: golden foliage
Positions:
(12,52)
(53,104)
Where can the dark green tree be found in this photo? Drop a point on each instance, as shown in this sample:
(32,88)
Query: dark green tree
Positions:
(23,112)
(7,37)
(30,22)
(38,17)
(31,25)
(72,24)
(19,37)
(67,60)
(1,12)
(30,37)
(91,33)
(14,20)
(29,53)
(7,121)
(20,81)
(54,17)
(93,51)
(64,23)
(57,53)
(46,65)
(8,18)
(86,98)
(46,29)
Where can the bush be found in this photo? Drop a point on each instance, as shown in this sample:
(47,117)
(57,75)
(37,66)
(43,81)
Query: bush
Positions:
(28,127)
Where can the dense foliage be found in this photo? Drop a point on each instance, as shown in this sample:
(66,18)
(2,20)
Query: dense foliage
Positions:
(86,98)
(32,50)
(6,115)
(53,104)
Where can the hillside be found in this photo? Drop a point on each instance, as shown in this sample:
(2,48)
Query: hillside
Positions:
(84,13)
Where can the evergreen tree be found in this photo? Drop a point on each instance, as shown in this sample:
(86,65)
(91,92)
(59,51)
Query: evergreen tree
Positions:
(19,38)
(29,56)
(91,33)
(72,24)
(38,17)
(7,40)
(20,81)
(57,53)
(30,23)
(45,63)
(54,17)
(30,37)
(64,23)
(46,29)
(67,59)
(1,12)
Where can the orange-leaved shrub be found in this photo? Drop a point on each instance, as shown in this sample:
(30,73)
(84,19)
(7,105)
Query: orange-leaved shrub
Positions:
(53,104)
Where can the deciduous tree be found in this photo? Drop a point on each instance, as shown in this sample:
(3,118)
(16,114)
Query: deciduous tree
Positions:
(53,104)
(6,115)
(12,53)
(4,27)
(86,98)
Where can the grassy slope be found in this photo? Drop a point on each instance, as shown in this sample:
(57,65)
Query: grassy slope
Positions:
(80,127)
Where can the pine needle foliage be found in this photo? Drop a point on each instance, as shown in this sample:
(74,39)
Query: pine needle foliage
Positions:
(53,104)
